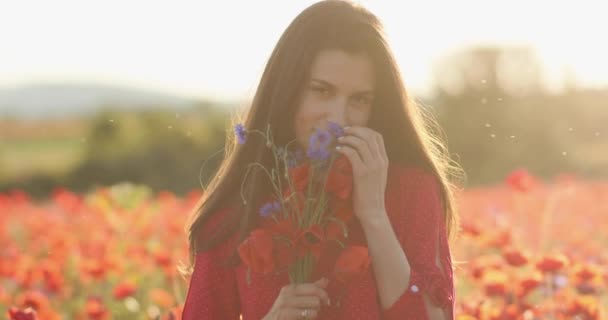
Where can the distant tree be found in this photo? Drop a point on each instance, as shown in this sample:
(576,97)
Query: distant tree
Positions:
(494,111)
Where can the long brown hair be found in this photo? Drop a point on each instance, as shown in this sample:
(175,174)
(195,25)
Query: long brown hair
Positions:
(410,132)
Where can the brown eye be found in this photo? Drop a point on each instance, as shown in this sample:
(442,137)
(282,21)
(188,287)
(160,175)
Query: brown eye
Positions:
(362,101)
(319,90)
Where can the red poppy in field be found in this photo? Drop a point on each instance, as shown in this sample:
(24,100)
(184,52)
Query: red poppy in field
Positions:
(498,239)
(585,272)
(521,180)
(515,257)
(28,313)
(551,263)
(124,289)
(34,299)
(19,196)
(68,201)
(583,307)
(529,283)
(53,278)
(495,283)
(39,302)
(162,257)
(95,309)
(94,268)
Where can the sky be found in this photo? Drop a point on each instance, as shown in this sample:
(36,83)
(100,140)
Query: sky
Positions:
(218,49)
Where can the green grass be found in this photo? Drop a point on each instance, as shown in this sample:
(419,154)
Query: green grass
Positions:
(52,155)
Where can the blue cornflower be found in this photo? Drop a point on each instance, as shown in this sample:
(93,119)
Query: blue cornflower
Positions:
(241,133)
(318,145)
(335,129)
(269,208)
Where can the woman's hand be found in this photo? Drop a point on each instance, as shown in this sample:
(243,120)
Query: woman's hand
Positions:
(294,299)
(365,150)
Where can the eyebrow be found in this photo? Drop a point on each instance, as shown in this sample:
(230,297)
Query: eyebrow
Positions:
(363,92)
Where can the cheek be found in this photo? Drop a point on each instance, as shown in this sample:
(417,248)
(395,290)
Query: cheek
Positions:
(361,117)
(305,118)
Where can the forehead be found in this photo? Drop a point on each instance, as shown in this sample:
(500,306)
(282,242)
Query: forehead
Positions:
(344,70)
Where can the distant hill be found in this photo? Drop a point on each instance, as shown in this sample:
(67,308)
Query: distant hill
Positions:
(61,100)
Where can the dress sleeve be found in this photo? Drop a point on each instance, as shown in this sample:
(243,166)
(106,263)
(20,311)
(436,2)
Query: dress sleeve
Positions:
(213,291)
(420,228)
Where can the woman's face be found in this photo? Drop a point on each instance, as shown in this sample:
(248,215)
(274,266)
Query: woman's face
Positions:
(340,89)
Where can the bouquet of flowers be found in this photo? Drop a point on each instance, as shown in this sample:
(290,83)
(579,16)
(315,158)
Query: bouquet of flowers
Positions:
(308,209)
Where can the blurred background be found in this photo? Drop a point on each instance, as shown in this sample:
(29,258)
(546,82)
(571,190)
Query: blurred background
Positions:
(131,91)
(97,94)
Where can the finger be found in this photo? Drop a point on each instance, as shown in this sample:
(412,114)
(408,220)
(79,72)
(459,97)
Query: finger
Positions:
(362,147)
(379,141)
(323,282)
(304,302)
(353,157)
(368,135)
(308,289)
(363,133)
(381,146)
(296,314)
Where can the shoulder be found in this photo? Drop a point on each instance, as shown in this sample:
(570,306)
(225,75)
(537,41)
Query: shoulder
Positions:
(218,220)
(413,194)
(412,179)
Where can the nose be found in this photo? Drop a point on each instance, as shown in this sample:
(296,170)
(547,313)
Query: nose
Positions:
(337,111)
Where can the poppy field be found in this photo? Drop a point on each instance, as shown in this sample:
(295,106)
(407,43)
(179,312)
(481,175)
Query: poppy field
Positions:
(526,249)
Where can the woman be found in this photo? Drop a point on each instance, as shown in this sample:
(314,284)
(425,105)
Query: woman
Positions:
(333,63)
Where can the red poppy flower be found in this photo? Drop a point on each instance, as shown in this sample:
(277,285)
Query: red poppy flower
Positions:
(352,261)
(551,263)
(311,240)
(27,314)
(495,283)
(515,257)
(34,299)
(585,307)
(521,180)
(257,251)
(529,283)
(95,308)
(123,290)
(585,272)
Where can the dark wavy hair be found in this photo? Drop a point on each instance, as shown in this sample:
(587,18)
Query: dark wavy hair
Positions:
(411,135)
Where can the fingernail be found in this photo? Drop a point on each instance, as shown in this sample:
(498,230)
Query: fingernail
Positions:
(346,128)
(328,302)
